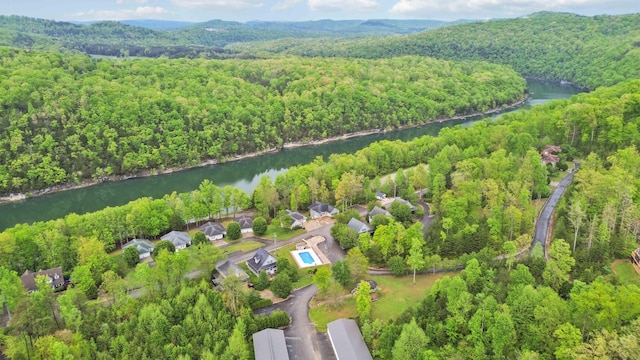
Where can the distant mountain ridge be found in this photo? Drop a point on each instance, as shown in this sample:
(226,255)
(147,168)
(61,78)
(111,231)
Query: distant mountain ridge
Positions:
(152,37)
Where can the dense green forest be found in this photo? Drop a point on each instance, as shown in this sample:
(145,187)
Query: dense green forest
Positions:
(481,181)
(133,38)
(589,51)
(66,118)
(62,113)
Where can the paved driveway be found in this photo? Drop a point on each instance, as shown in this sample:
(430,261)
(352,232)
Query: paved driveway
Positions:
(303,341)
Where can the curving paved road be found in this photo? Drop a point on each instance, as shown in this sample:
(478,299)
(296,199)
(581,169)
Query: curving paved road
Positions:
(543,221)
(303,341)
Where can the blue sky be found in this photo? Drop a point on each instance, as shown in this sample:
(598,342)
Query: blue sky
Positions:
(296,10)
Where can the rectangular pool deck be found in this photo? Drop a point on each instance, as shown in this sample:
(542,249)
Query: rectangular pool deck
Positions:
(306,258)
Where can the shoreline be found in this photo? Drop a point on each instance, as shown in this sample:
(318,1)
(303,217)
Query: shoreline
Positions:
(9,198)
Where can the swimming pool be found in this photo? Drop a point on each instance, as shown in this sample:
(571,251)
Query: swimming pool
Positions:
(306,258)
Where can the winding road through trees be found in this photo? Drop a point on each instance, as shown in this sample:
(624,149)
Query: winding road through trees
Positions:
(543,222)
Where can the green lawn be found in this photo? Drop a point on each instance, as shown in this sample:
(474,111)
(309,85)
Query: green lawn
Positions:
(324,314)
(395,295)
(626,274)
(281,233)
(244,246)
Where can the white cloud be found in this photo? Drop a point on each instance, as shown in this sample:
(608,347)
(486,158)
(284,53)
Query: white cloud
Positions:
(456,9)
(342,5)
(285,5)
(224,4)
(142,12)
(120,2)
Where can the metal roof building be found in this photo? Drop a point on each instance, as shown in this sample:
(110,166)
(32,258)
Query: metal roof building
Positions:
(269,344)
(346,340)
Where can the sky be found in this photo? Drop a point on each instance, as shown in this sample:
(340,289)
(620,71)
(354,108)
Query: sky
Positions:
(299,10)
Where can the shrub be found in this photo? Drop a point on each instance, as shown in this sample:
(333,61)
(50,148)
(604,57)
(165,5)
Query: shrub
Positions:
(259,226)
(200,238)
(397,265)
(131,256)
(233,231)
(263,281)
(164,244)
(281,285)
(276,319)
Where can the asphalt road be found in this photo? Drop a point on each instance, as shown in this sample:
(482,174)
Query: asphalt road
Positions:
(542,222)
(303,341)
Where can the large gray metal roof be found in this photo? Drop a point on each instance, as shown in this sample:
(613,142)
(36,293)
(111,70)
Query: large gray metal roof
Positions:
(269,344)
(347,340)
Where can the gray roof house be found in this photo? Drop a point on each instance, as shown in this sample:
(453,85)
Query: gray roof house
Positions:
(228,268)
(144,247)
(297,219)
(213,230)
(346,340)
(246,224)
(380,195)
(262,260)
(403,201)
(269,344)
(56,279)
(358,226)
(180,239)
(378,211)
(319,209)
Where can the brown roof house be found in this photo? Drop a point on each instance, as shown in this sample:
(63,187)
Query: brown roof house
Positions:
(56,279)
(549,155)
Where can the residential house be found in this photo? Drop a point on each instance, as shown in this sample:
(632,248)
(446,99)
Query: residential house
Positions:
(380,195)
(226,269)
(378,211)
(144,247)
(56,279)
(403,201)
(213,230)
(246,224)
(180,239)
(549,155)
(319,209)
(269,344)
(262,260)
(346,340)
(358,226)
(297,219)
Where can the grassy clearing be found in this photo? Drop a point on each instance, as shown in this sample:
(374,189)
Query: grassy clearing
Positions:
(324,314)
(397,294)
(394,296)
(281,233)
(244,246)
(626,274)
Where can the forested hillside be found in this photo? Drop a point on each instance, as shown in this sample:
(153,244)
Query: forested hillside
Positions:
(66,117)
(480,182)
(589,51)
(191,40)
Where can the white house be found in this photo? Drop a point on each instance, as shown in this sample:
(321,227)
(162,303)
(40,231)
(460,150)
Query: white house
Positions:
(180,239)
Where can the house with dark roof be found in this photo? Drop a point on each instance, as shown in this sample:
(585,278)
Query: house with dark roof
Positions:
(226,269)
(297,219)
(549,155)
(269,344)
(144,247)
(262,260)
(346,340)
(358,226)
(213,230)
(319,209)
(380,195)
(55,278)
(180,239)
(405,202)
(378,211)
(246,224)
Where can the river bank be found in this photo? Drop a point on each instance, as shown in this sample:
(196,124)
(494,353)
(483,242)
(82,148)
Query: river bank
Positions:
(291,145)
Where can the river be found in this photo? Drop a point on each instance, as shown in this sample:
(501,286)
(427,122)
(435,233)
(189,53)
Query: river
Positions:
(245,174)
